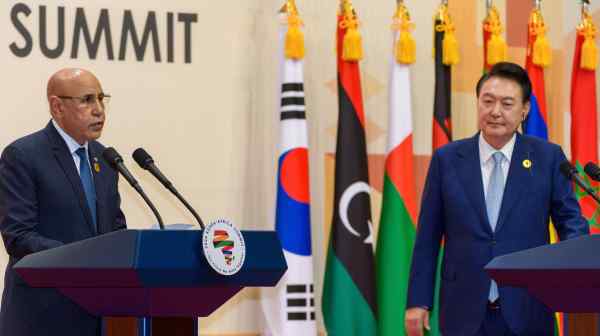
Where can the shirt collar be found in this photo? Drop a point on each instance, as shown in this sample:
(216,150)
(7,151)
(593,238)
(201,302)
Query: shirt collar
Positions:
(486,150)
(71,143)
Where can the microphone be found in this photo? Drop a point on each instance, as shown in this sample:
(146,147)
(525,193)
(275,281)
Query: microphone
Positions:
(592,170)
(116,161)
(145,161)
(571,173)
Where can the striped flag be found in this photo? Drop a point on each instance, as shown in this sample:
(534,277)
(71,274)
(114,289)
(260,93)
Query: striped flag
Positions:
(584,132)
(538,54)
(396,236)
(445,55)
(536,124)
(289,308)
(349,296)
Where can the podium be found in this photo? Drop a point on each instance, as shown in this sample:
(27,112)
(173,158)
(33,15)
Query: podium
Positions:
(150,273)
(565,276)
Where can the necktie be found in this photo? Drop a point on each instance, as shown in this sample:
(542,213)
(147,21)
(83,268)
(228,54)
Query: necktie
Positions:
(85,173)
(493,201)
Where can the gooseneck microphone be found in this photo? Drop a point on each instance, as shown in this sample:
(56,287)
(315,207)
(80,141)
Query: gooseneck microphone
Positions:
(145,161)
(592,170)
(571,173)
(116,161)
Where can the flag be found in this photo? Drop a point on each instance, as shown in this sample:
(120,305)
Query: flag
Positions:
(538,57)
(349,296)
(289,307)
(584,132)
(495,49)
(396,236)
(445,54)
(536,123)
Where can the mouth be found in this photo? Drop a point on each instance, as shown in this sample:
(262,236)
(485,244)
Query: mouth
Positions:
(97,126)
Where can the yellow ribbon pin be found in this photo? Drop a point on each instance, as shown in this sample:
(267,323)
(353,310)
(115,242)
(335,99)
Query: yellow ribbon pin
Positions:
(527,163)
(96,165)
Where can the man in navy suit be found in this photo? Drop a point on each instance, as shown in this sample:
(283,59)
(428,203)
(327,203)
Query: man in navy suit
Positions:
(55,189)
(486,196)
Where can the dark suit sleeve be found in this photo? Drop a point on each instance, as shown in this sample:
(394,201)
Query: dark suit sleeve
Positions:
(120,222)
(19,207)
(429,236)
(565,210)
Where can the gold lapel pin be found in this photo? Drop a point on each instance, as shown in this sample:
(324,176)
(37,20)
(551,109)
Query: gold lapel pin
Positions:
(96,165)
(527,163)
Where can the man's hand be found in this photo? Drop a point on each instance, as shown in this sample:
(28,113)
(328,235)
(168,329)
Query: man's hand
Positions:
(415,320)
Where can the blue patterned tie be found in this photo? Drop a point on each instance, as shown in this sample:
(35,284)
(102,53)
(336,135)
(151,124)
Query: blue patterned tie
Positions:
(493,201)
(85,173)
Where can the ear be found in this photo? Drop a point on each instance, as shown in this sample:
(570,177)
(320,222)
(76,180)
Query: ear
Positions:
(56,107)
(526,108)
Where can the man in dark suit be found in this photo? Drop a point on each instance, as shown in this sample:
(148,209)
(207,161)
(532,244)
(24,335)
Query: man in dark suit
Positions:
(486,196)
(55,189)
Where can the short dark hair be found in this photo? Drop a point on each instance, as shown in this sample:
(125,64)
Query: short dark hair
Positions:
(510,71)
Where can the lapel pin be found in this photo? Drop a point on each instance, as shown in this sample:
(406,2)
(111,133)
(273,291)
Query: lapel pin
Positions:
(527,163)
(96,165)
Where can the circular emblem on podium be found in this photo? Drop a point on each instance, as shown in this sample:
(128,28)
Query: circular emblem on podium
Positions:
(224,247)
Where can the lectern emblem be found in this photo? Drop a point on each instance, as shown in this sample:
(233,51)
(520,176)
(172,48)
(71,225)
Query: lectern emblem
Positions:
(224,247)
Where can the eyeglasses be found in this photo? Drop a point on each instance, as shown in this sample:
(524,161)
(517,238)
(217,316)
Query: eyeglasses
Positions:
(90,99)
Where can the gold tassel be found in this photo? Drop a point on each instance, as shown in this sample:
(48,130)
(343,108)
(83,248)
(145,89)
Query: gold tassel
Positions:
(542,52)
(294,39)
(450,52)
(406,49)
(497,49)
(589,50)
(352,45)
(589,54)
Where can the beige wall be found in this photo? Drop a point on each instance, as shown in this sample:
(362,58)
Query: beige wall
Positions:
(212,125)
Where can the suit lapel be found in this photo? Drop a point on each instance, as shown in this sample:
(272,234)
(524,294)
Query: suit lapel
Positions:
(65,160)
(99,173)
(518,178)
(468,168)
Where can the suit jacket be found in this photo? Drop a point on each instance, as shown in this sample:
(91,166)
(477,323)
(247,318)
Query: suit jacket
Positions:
(43,205)
(453,208)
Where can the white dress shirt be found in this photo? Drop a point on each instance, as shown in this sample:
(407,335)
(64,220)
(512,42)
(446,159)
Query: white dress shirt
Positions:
(487,161)
(73,146)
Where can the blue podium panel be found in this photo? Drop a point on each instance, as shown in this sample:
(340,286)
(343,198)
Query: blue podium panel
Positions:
(150,273)
(564,276)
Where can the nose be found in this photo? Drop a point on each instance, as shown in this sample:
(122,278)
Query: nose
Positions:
(496,110)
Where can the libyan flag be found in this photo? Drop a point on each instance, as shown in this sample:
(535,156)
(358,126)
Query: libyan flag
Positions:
(349,297)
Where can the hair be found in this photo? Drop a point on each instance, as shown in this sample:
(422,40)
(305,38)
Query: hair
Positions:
(510,71)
